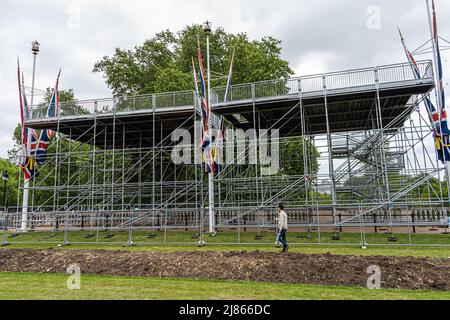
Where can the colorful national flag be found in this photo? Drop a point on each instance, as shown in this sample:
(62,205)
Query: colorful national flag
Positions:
(230,77)
(42,144)
(431,109)
(27,162)
(29,168)
(207,145)
(26,112)
(195,77)
(439,123)
(442,140)
(218,156)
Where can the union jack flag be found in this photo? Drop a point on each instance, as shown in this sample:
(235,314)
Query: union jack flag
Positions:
(439,60)
(27,162)
(221,135)
(442,139)
(41,146)
(439,124)
(431,109)
(29,168)
(207,145)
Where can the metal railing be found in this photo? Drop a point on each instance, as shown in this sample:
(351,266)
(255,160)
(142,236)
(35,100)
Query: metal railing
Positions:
(226,218)
(118,105)
(350,79)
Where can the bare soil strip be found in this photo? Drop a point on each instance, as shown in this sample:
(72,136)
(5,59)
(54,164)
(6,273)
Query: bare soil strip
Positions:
(336,270)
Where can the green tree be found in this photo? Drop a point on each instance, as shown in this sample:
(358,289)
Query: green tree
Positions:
(431,191)
(164,62)
(12,185)
(292,153)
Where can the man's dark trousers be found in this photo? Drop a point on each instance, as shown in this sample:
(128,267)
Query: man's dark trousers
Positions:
(283,239)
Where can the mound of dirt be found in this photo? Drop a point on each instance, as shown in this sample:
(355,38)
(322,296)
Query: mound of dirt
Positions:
(396,272)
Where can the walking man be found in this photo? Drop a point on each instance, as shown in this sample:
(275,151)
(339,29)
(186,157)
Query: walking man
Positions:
(283,227)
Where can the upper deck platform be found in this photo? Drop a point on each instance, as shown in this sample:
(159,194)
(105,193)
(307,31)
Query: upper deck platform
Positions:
(350,97)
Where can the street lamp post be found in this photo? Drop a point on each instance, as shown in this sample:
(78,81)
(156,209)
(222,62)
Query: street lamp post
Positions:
(207,29)
(26,187)
(5,178)
(35,48)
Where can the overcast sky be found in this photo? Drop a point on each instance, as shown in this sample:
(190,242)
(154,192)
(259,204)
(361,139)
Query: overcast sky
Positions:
(318,36)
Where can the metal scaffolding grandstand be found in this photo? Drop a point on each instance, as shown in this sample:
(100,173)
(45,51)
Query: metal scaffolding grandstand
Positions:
(111,163)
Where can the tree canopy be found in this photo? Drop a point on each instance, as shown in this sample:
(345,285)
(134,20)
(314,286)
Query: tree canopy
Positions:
(164,62)
(11,185)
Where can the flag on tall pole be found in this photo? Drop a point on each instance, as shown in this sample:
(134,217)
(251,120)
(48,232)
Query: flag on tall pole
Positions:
(21,106)
(218,154)
(195,77)
(26,112)
(433,113)
(27,162)
(443,134)
(439,60)
(31,159)
(230,77)
(46,135)
(207,146)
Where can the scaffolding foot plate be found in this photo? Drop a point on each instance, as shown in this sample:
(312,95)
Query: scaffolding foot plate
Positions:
(64,245)
(335,237)
(129,245)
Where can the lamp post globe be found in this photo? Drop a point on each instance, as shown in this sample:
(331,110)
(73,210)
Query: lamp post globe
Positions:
(207,27)
(5,176)
(35,47)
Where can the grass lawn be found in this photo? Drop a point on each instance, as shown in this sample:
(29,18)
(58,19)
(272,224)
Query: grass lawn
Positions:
(53,286)
(226,241)
(226,237)
(14,286)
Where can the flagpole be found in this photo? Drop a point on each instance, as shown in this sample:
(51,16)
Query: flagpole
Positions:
(212,228)
(435,62)
(26,187)
(441,108)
